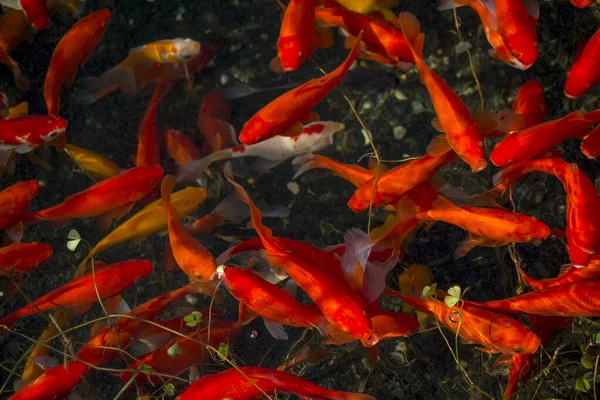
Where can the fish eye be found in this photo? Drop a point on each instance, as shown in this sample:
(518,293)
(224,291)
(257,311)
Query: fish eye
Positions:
(300,53)
(152,183)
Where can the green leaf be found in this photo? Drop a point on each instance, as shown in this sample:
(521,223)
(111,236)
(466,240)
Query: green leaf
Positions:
(454,291)
(429,291)
(170,389)
(73,235)
(597,338)
(582,385)
(193,319)
(224,350)
(145,368)
(451,301)
(587,362)
(174,350)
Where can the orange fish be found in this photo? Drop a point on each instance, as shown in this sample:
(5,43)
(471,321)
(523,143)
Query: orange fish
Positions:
(282,116)
(101,283)
(276,306)
(54,383)
(72,51)
(582,3)
(538,139)
(180,147)
(590,145)
(92,163)
(23,257)
(36,11)
(213,117)
(489,227)
(342,307)
(15,200)
(168,51)
(230,209)
(383,41)
(353,173)
(520,367)
(463,134)
(496,333)
(583,225)
(568,274)
(148,152)
(14,29)
(393,184)
(584,73)
(232,385)
(191,256)
(530,103)
(110,199)
(517,28)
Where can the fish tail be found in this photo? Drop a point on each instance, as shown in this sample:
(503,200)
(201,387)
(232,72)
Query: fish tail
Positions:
(119,77)
(340,71)
(451,4)
(166,188)
(411,28)
(20,80)
(306,162)
(8,322)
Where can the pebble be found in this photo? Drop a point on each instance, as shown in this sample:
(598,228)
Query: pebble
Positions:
(462,47)
(293,187)
(397,93)
(399,132)
(417,107)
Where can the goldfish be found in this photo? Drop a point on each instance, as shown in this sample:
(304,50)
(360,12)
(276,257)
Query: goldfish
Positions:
(463,134)
(110,199)
(282,116)
(583,227)
(23,257)
(18,111)
(276,306)
(489,227)
(180,147)
(191,256)
(520,367)
(368,6)
(341,306)
(130,79)
(96,351)
(24,134)
(582,3)
(298,38)
(54,383)
(87,289)
(590,145)
(536,140)
(568,274)
(4,110)
(229,209)
(274,150)
(73,50)
(92,163)
(75,7)
(192,348)
(14,29)
(393,184)
(168,51)
(35,10)
(383,41)
(530,103)
(148,151)
(584,73)
(496,333)
(213,117)
(577,299)
(15,200)
(517,28)
(253,382)
(353,173)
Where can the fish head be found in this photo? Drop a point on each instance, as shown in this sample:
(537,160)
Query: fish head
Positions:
(186,49)
(293,52)
(511,337)
(55,128)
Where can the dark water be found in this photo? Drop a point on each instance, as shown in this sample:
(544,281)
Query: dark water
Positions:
(410,368)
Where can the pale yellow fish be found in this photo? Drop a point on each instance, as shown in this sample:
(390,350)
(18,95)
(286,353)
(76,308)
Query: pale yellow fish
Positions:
(411,282)
(92,163)
(18,111)
(368,6)
(73,6)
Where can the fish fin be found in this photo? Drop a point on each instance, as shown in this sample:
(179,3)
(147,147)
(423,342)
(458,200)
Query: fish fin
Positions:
(290,287)
(118,77)
(438,146)
(275,329)
(262,165)
(97,327)
(61,222)
(473,241)
(20,79)
(405,208)
(20,384)
(322,37)
(533,9)
(46,362)
(232,209)
(275,65)
(14,233)
(358,246)
(411,28)
(293,130)
(5,157)
(104,221)
(451,4)
(437,125)
(245,314)
(149,343)
(375,276)
(486,350)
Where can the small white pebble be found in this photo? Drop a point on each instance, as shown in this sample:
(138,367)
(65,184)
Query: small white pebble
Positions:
(462,47)
(293,187)
(42,183)
(250,181)
(367,105)
(224,79)
(399,132)
(399,95)
(417,107)
(191,299)
(264,36)
(367,136)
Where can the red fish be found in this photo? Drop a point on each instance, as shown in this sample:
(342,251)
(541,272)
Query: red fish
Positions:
(583,224)
(584,72)
(87,289)
(256,381)
(213,117)
(111,198)
(191,256)
(463,134)
(24,134)
(54,384)
(582,3)
(273,304)
(282,116)
(23,257)
(15,200)
(72,51)
(393,184)
(383,41)
(148,152)
(520,367)
(590,145)
(537,140)
(353,173)
(180,147)
(568,274)
(517,28)
(14,29)
(230,209)
(496,333)
(296,43)
(577,299)
(530,103)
